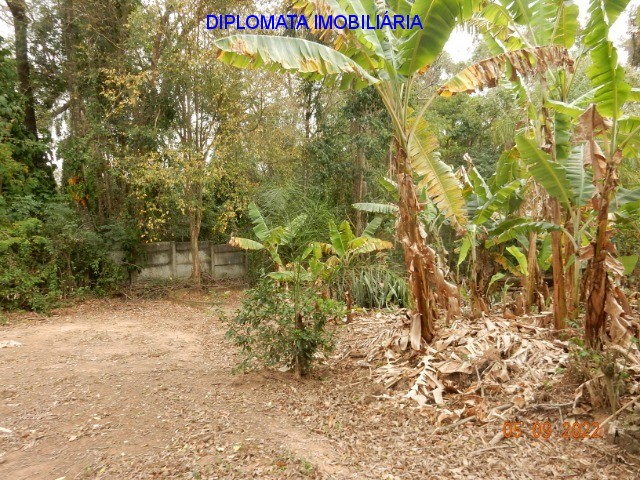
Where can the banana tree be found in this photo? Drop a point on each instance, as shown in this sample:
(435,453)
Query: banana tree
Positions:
(345,247)
(270,239)
(489,204)
(604,132)
(390,60)
(605,136)
(499,215)
(608,137)
(575,188)
(510,27)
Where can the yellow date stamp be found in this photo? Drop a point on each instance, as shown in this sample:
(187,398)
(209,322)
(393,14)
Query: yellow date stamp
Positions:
(546,430)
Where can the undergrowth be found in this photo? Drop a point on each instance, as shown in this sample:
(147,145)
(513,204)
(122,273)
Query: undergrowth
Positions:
(603,372)
(280,326)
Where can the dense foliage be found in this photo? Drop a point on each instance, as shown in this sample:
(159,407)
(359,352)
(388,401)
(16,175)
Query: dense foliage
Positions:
(45,250)
(516,171)
(280,326)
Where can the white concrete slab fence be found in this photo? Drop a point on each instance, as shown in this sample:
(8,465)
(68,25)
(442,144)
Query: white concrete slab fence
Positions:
(166,260)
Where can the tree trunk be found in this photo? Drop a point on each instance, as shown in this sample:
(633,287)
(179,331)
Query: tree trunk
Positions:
(349,301)
(73,167)
(18,10)
(425,277)
(298,360)
(194,235)
(408,231)
(409,235)
(572,271)
(477,284)
(531,281)
(77,115)
(194,195)
(557,263)
(195,224)
(597,287)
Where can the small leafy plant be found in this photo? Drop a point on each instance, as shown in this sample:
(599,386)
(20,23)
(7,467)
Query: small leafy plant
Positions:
(605,370)
(281,326)
(344,250)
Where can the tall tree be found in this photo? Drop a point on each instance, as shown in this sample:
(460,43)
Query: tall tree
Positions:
(207,112)
(192,108)
(76,46)
(18,9)
(390,61)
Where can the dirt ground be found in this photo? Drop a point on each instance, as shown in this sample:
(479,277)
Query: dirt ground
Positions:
(143,389)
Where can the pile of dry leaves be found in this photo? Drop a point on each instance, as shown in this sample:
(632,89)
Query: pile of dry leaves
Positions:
(515,362)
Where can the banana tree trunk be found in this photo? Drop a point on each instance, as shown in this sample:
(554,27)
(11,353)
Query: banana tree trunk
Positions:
(576,290)
(477,284)
(348,297)
(598,286)
(426,278)
(572,272)
(557,263)
(531,281)
(408,232)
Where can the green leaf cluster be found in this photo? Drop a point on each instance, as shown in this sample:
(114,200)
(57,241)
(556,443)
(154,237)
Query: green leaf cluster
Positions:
(280,326)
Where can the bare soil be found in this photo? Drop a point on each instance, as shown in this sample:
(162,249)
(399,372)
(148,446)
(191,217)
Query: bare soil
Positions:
(144,389)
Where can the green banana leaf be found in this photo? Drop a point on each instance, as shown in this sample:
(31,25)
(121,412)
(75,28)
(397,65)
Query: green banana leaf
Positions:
(437,177)
(555,22)
(245,243)
(514,228)
(259,225)
(497,202)
(480,187)
(629,262)
(580,179)
(341,237)
(372,227)
(363,245)
(380,208)
(464,249)
(287,54)
(606,75)
(507,170)
(552,176)
(420,47)
(521,258)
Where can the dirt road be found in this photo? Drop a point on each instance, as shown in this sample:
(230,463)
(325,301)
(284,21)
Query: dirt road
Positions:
(118,390)
(144,389)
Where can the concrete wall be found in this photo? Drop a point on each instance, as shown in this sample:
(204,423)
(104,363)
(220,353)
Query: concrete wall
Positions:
(164,260)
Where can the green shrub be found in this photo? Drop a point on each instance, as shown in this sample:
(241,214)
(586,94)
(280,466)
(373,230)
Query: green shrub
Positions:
(28,277)
(52,255)
(283,327)
(376,285)
(81,254)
